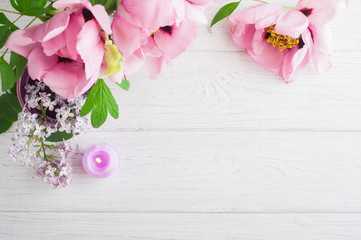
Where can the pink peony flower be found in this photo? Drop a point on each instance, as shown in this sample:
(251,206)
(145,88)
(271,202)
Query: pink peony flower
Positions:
(67,51)
(152,33)
(284,41)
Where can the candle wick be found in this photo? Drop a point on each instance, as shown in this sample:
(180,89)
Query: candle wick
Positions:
(98,160)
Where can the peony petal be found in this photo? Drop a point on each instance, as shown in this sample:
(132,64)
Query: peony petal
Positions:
(154,67)
(265,54)
(195,14)
(39,64)
(292,24)
(321,11)
(127,37)
(321,50)
(296,60)
(133,63)
(267,21)
(243,35)
(150,15)
(176,42)
(49,29)
(53,45)
(204,4)
(68,80)
(102,17)
(117,77)
(21,44)
(90,48)
(76,24)
(151,49)
(256,13)
(98,11)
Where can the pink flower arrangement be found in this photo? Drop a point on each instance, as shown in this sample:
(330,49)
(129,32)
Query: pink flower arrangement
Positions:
(285,41)
(152,33)
(58,50)
(68,56)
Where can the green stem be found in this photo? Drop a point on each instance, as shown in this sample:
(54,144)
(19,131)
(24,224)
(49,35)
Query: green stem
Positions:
(4,10)
(31,22)
(290,8)
(4,53)
(43,148)
(17,19)
(260,1)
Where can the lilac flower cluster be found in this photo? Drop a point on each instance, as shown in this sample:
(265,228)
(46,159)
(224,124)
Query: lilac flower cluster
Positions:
(56,172)
(45,113)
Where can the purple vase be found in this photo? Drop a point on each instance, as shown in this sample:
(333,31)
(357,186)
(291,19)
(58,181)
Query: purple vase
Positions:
(20,87)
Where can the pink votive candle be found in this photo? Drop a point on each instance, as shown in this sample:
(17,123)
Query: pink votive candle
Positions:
(101,160)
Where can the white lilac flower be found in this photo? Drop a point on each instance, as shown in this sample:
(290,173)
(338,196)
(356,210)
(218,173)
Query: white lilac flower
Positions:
(64,113)
(40,85)
(30,88)
(57,172)
(31,133)
(46,101)
(39,130)
(66,126)
(32,102)
(32,117)
(81,125)
(50,130)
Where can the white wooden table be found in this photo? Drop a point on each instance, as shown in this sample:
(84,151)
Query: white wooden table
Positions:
(218,148)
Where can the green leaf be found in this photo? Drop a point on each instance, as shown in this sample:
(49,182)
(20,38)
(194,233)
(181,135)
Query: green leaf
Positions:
(125,84)
(50,13)
(6,28)
(110,102)
(9,107)
(59,136)
(91,100)
(8,78)
(13,91)
(110,6)
(4,124)
(94,2)
(18,63)
(30,7)
(35,11)
(100,100)
(99,115)
(16,5)
(224,12)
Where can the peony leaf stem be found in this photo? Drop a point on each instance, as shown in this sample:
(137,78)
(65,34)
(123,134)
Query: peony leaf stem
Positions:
(260,1)
(8,11)
(31,22)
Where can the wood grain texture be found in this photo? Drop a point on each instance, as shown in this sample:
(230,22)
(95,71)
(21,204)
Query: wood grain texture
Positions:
(204,172)
(217,148)
(155,226)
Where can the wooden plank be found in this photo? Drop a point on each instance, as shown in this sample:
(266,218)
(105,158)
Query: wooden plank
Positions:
(155,226)
(202,172)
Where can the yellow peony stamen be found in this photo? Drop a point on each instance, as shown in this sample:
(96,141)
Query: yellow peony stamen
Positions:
(153,33)
(282,41)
